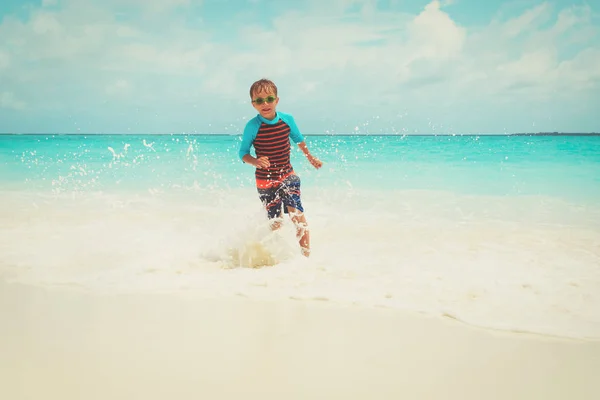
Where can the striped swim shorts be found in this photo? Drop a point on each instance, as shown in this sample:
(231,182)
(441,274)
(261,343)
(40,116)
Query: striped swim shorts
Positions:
(286,193)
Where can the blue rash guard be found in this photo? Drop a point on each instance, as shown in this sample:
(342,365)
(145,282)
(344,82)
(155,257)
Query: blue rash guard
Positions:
(271,139)
(254,126)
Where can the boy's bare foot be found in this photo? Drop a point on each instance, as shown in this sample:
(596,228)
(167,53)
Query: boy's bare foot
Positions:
(305,251)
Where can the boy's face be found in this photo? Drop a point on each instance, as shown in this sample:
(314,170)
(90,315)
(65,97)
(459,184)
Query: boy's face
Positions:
(265,102)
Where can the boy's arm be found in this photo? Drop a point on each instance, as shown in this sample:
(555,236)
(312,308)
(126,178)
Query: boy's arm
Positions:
(248,159)
(248,137)
(298,138)
(312,159)
(250,132)
(294,131)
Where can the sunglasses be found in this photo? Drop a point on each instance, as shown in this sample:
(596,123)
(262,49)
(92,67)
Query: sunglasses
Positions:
(260,100)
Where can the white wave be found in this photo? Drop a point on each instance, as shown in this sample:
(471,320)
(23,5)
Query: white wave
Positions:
(520,263)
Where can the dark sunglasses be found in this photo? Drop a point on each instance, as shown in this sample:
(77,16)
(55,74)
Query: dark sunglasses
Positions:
(260,100)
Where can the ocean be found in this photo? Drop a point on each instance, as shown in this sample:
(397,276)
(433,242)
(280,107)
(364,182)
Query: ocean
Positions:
(496,231)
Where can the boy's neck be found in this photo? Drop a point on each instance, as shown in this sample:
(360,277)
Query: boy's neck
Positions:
(275,118)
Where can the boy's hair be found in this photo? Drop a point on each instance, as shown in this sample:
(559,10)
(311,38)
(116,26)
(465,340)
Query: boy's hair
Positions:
(263,84)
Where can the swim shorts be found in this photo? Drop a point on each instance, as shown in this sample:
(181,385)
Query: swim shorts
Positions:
(286,193)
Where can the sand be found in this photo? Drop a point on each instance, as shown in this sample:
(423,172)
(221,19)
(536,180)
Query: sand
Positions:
(64,344)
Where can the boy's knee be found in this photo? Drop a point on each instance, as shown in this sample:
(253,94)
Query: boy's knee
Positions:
(294,213)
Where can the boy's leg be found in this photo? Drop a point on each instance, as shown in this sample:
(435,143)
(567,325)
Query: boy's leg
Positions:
(271,200)
(291,200)
(302,232)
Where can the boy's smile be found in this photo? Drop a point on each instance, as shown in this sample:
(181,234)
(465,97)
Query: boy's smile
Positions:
(265,109)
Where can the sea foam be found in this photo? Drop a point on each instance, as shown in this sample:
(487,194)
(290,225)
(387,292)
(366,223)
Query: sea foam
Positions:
(523,263)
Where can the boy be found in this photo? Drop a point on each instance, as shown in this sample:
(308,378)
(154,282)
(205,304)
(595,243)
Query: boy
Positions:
(270,132)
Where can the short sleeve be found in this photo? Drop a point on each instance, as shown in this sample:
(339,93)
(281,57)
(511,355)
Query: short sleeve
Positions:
(250,132)
(294,131)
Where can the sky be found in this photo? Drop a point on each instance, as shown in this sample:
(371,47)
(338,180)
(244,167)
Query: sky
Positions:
(341,66)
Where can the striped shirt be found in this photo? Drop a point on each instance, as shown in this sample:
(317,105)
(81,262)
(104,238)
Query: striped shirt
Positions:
(271,138)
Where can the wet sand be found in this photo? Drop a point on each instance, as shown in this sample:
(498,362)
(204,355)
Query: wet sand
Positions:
(63,344)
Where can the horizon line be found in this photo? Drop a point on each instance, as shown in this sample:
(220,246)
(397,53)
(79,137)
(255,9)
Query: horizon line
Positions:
(311,134)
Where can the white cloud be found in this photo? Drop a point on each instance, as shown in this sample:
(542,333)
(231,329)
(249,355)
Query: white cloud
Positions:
(534,69)
(528,21)
(4,60)
(583,71)
(570,17)
(389,58)
(152,5)
(119,88)
(155,6)
(8,100)
(434,34)
(378,50)
(46,24)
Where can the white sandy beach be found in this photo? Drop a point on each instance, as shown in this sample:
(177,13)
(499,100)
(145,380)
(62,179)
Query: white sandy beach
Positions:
(62,344)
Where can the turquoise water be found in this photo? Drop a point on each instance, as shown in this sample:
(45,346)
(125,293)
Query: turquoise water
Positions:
(564,166)
(495,231)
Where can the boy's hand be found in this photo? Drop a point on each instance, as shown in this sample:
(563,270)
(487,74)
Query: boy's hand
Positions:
(262,162)
(315,162)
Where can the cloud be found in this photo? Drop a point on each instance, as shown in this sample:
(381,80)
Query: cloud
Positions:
(349,56)
(529,21)
(9,101)
(119,88)
(4,60)
(583,71)
(433,34)
(121,5)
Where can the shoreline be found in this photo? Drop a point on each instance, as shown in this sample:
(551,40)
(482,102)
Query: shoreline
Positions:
(66,344)
(291,301)
(401,134)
